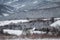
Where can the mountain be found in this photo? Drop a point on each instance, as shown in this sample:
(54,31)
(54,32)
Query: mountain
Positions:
(17,9)
(5,10)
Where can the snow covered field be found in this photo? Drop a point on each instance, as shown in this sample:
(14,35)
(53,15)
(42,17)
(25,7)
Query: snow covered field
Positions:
(2,23)
(18,38)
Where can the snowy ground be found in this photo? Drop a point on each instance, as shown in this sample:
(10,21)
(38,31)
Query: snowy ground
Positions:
(2,23)
(37,24)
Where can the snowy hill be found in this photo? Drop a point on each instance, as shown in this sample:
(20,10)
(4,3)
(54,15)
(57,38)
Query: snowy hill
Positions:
(17,9)
(3,23)
(5,10)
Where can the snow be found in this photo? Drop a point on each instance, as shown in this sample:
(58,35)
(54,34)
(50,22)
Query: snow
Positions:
(19,6)
(45,19)
(10,2)
(34,28)
(20,32)
(35,2)
(53,0)
(9,9)
(22,5)
(13,32)
(25,10)
(56,18)
(32,31)
(2,23)
(39,32)
(6,14)
(49,19)
(55,24)
(48,0)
